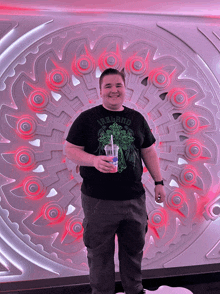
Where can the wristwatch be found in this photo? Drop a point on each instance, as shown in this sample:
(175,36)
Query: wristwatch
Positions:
(159,183)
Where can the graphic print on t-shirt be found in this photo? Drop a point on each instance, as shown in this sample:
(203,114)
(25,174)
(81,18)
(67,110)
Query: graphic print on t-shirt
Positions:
(124,139)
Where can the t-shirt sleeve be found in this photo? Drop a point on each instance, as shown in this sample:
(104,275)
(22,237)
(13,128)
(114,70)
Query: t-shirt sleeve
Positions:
(149,138)
(77,132)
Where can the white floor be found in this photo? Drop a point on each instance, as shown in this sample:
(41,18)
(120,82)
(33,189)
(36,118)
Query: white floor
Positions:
(168,290)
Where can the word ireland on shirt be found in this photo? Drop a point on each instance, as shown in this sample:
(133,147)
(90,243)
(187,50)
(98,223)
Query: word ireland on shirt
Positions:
(117,119)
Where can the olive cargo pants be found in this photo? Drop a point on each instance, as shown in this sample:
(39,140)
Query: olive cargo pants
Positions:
(103,219)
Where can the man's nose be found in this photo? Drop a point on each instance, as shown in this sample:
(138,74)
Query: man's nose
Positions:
(114,89)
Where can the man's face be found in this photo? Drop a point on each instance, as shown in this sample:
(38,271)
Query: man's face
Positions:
(113,92)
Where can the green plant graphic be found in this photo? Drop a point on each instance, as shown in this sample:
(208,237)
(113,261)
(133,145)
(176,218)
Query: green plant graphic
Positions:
(124,139)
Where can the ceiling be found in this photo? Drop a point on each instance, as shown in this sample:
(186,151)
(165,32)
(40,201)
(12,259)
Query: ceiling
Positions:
(174,7)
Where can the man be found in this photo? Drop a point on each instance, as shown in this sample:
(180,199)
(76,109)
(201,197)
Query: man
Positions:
(114,202)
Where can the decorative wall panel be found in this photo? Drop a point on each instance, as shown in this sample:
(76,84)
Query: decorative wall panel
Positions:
(50,65)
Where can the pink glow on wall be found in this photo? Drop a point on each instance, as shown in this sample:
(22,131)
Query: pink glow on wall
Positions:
(45,86)
(181,7)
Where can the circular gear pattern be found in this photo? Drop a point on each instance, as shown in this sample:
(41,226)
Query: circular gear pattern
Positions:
(46,182)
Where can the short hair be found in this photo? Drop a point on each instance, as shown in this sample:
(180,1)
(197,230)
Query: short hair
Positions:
(111,71)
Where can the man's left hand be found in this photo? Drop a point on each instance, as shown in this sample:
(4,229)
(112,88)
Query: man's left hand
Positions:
(159,193)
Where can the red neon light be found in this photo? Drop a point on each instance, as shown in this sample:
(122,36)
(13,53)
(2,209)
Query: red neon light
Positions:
(38,100)
(26,127)
(53,213)
(15,8)
(110,59)
(57,78)
(193,149)
(178,98)
(180,200)
(34,188)
(158,218)
(136,65)
(72,229)
(188,176)
(12,10)
(58,82)
(24,158)
(160,79)
(190,122)
(83,65)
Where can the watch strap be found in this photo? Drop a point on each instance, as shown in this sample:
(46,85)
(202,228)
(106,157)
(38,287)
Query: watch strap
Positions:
(159,183)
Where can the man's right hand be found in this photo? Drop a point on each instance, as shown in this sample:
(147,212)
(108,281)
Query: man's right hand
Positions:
(82,158)
(102,164)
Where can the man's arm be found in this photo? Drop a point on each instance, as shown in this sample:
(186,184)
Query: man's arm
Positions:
(80,157)
(151,161)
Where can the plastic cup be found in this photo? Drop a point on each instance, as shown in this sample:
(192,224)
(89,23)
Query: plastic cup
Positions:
(112,151)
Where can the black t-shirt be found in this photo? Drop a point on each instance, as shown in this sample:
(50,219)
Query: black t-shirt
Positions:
(93,129)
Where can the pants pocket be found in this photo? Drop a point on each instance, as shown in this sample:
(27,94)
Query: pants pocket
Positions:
(89,204)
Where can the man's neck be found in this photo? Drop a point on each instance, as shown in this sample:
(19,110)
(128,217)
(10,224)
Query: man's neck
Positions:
(117,109)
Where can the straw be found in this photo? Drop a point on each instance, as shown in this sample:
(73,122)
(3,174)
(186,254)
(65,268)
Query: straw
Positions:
(112,144)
